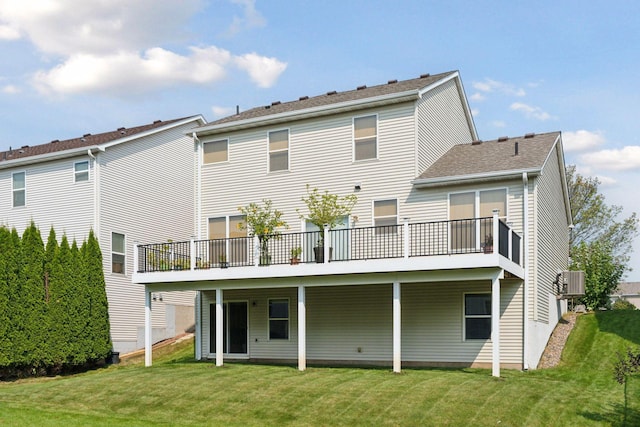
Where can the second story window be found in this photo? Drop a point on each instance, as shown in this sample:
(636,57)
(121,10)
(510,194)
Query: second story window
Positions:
(81,171)
(365,137)
(279,151)
(385,215)
(19,189)
(117,253)
(215,151)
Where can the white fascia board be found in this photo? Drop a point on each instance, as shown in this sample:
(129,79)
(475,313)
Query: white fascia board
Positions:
(479,177)
(151,132)
(309,112)
(74,152)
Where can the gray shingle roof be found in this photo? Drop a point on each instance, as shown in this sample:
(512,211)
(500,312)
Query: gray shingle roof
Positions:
(362,92)
(628,288)
(493,156)
(87,140)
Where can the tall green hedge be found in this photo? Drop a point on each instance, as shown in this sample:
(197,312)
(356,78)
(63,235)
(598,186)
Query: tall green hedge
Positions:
(53,304)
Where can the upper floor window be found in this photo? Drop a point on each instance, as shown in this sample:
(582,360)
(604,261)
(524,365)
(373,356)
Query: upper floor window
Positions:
(215,151)
(117,253)
(467,232)
(279,150)
(477,316)
(365,137)
(229,241)
(385,215)
(81,171)
(19,188)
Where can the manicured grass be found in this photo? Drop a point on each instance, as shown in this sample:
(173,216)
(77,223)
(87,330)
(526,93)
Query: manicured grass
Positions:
(179,391)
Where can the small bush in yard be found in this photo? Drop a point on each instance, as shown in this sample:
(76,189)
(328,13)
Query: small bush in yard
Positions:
(623,304)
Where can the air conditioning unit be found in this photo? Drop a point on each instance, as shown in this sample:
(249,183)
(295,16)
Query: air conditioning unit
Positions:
(572,283)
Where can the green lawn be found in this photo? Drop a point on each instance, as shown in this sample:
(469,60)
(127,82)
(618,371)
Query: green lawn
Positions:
(179,391)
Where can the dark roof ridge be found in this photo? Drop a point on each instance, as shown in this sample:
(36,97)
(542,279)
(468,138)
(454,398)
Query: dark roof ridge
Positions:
(87,140)
(335,97)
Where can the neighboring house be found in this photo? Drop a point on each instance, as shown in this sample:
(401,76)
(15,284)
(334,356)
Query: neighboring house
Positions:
(422,273)
(628,291)
(126,185)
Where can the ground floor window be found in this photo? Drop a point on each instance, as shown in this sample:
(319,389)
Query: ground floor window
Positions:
(477,316)
(278,319)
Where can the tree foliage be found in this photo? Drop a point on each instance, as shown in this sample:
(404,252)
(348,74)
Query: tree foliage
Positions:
(595,221)
(600,241)
(53,304)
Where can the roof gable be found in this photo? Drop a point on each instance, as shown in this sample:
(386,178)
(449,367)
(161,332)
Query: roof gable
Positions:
(87,140)
(480,158)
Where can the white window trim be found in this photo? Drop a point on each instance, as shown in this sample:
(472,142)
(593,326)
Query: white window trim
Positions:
(288,150)
(373,211)
(75,172)
(216,163)
(13,189)
(353,138)
(288,319)
(124,254)
(477,192)
(473,316)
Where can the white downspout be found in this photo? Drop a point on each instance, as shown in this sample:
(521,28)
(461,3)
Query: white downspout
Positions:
(96,195)
(198,183)
(525,263)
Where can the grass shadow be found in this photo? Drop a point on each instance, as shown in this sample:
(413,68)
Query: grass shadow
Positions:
(621,323)
(615,416)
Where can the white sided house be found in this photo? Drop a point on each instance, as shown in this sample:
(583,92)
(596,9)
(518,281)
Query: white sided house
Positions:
(126,185)
(447,259)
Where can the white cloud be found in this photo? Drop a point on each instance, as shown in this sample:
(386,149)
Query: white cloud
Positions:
(10,89)
(221,111)
(475,112)
(251,19)
(498,124)
(8,33)
(582,140)
(489,85)
(126,72)
(625,158)
(478,97)
(67,27)
(530,112)
(262,70)
(606,181)
(115,46)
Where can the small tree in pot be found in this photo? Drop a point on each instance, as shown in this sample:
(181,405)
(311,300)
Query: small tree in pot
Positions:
(262,221)
(325,208)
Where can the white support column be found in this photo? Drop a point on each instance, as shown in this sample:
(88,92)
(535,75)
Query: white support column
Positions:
(148,328)
(136,257)
(192,253)
(405,227)
(326,242)
(397,320)
(302,329)
(495,326)
(256,251)
(219,328)
(496,231)
(198,317)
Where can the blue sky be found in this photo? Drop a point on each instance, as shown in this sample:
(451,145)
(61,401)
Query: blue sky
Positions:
(72,67)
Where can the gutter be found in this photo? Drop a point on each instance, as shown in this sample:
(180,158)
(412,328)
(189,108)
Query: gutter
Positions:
(484,176)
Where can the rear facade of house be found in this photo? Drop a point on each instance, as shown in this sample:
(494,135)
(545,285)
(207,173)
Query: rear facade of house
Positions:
(447,259)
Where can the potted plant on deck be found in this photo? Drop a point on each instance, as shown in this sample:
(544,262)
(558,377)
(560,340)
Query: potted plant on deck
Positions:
(295,255)
(325,208)
(488,244)
(263,221)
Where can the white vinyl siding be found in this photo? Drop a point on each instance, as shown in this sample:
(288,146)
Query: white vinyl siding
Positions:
(441,123)
(365,137)
(53,199)
(81,171)
(159,207)
(278,150)
(215,151)
(19,189)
